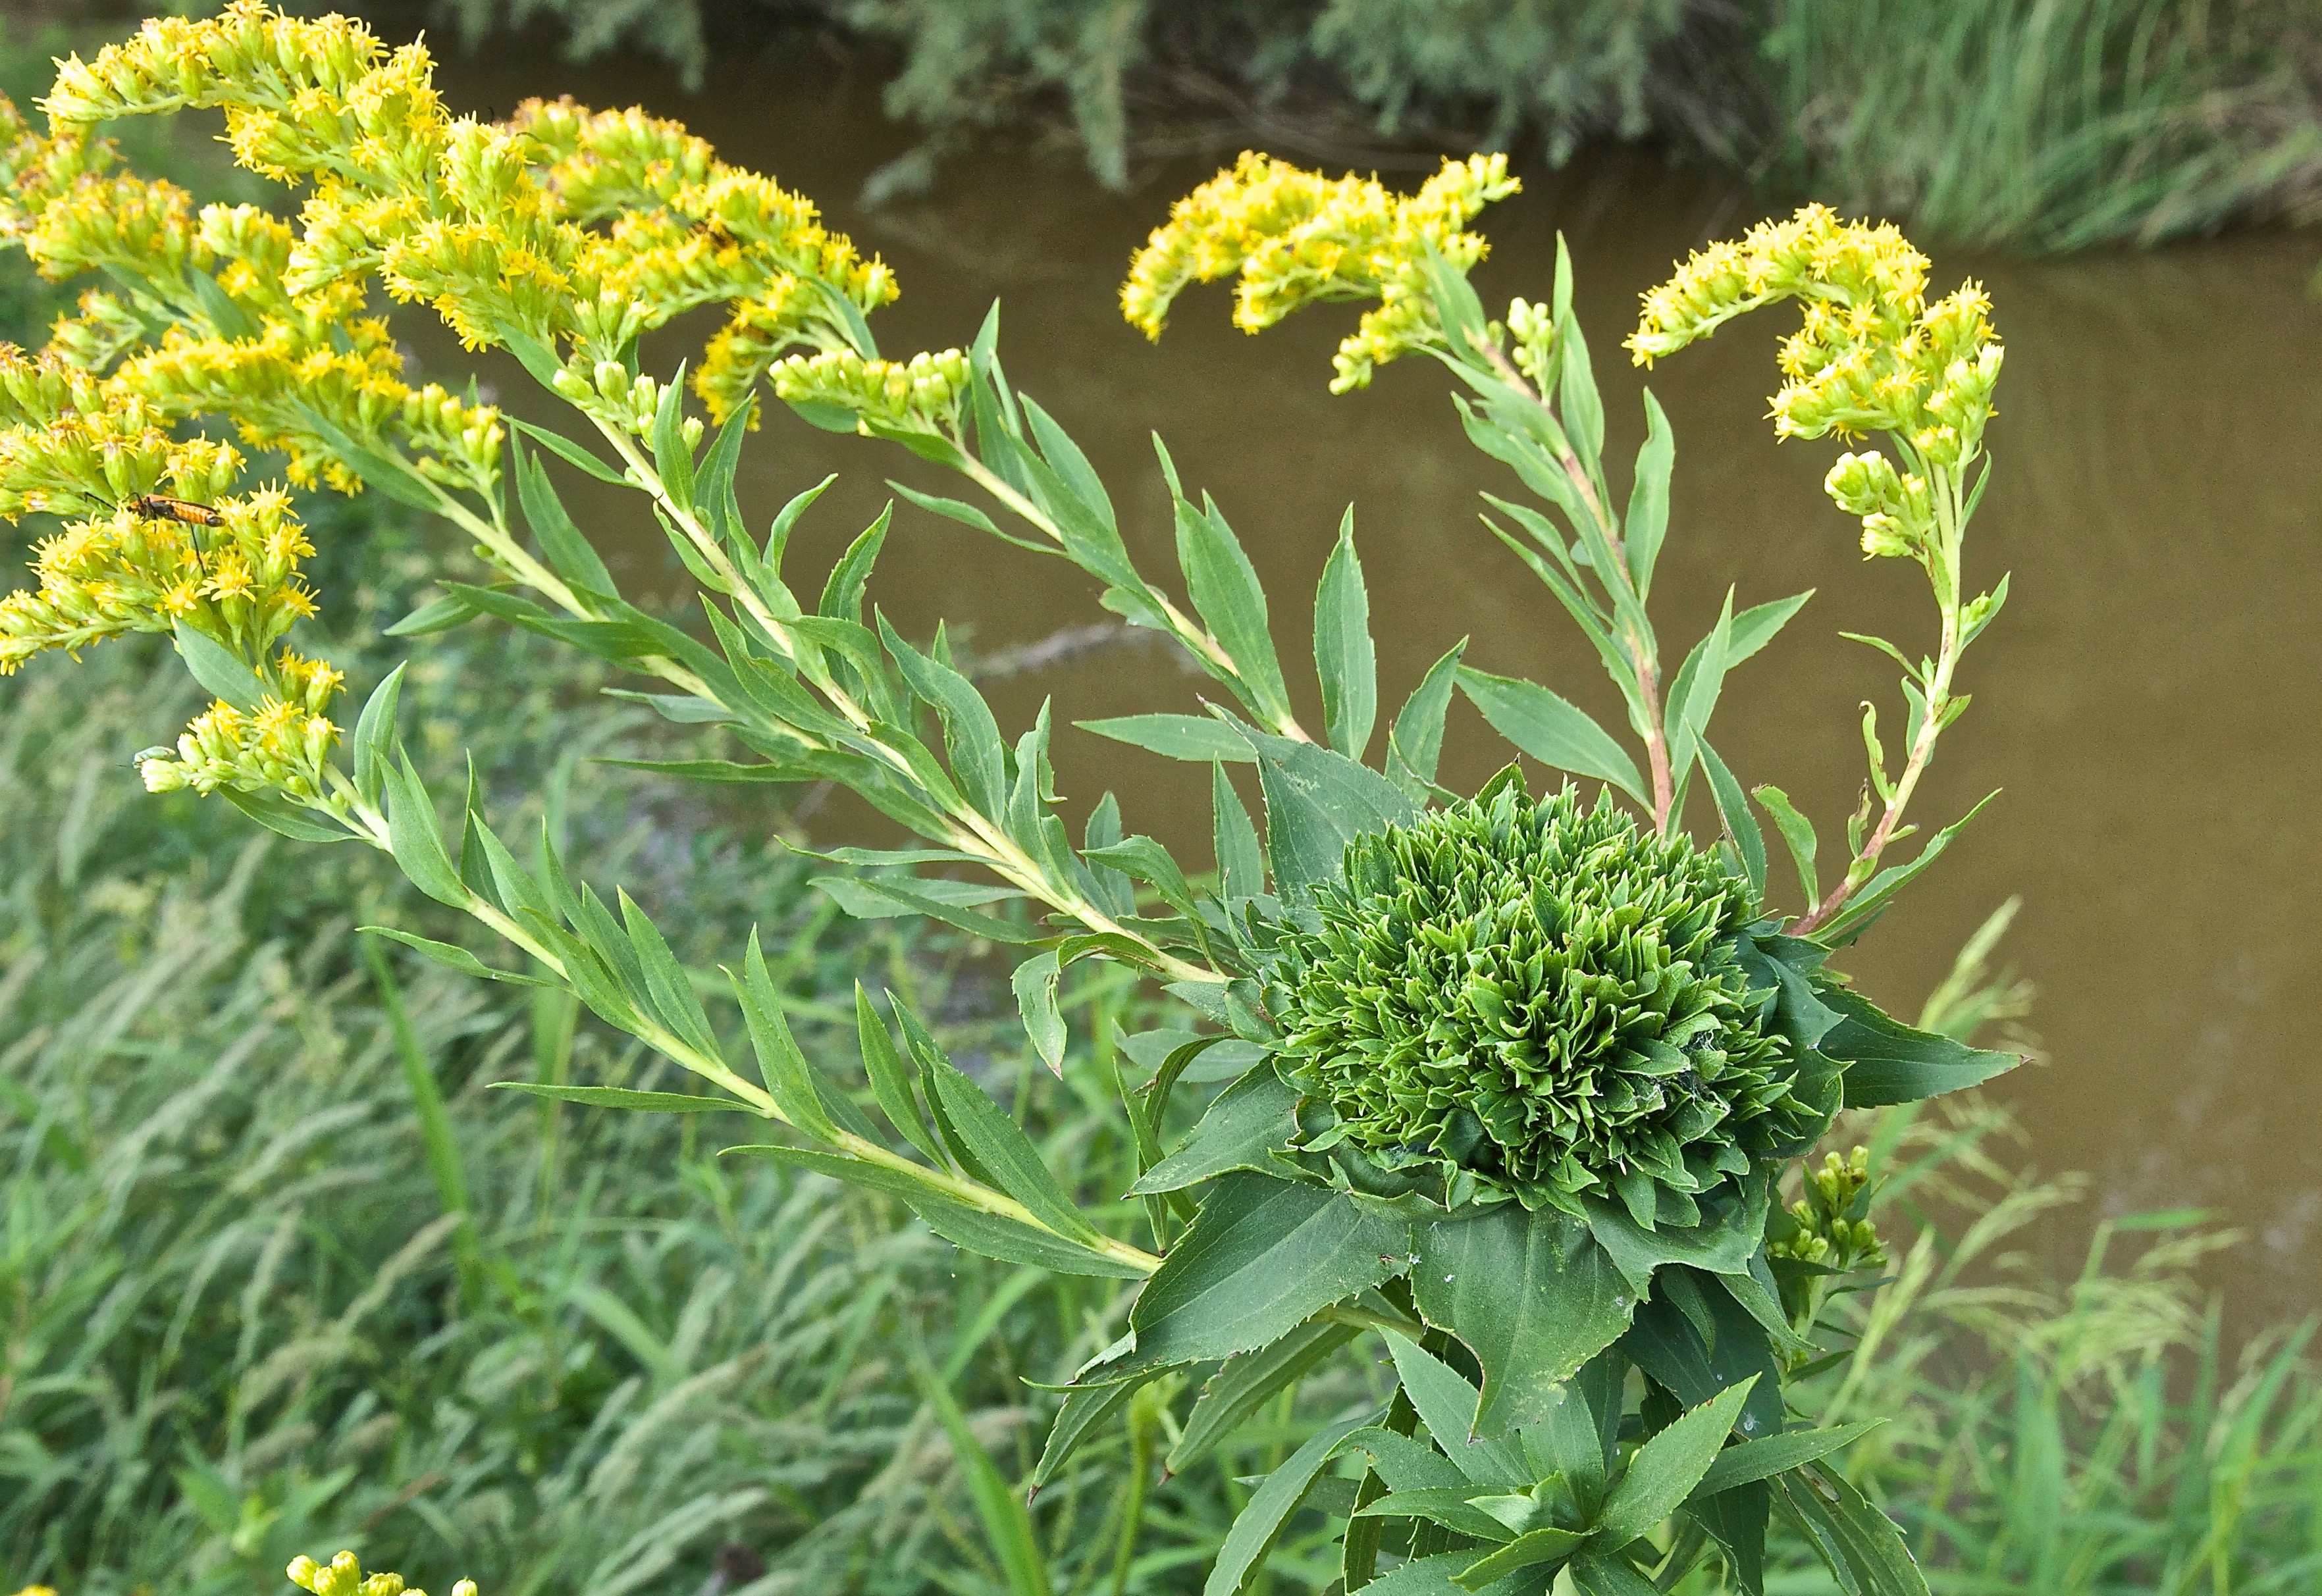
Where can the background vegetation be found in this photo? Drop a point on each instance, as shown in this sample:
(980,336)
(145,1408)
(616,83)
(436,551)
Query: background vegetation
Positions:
(2033,124)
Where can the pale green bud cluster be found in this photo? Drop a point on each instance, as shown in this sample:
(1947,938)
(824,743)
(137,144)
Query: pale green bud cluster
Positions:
(1830,1231)
(1897,511)
(1533,328)
(922,393)
(344,1576)
(631,402)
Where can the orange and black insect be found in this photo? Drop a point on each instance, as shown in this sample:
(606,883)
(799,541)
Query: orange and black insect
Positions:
(153,507)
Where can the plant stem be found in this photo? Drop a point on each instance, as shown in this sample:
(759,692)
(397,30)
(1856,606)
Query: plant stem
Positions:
(1643,660)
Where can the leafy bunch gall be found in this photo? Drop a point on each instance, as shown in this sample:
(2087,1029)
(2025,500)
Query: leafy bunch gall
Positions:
(1546,999)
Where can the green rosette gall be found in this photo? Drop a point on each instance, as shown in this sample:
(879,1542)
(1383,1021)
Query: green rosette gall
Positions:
(1544,1001)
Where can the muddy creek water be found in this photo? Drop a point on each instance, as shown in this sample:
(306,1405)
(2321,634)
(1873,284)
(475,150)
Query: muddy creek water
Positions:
(2147,705)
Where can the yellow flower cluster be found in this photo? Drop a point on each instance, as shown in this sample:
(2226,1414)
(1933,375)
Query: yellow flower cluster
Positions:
(922,393)
(1869,355)
(344,1576)
(494,225)
(290,370)
(282,747)
(72,443)
(1296,236)
(228,570)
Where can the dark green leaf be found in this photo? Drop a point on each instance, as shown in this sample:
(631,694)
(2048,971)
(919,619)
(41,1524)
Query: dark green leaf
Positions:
(1317,801)
(1887,1062)
(1528,1550)
(454,958)
(1596,1575)
(673,457)
(1734,809)
(1447,1404)
(439,615)
(1254,1532)
(570,554)
(1344,659)
(1762,1459)
(1871,901)
(621,1097)
(571,453)
(1085,1412)
(1003,1151)
(1860,1544)
(374,738)
(842,593)
(787,1074)
(950,509)
(1798,832)
(284,818)
(1667,1467)
(1532,1295)
(1251,1118)
(1558,734)
(1241,865)
(412,834)
(1034,983)
(221,672)
(1225,591)
(1415,741)
(1648,518)
(1246,1382)
(1197,737)
(1263,1257)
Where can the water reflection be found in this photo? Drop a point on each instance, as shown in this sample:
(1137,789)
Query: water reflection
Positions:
(2147,704)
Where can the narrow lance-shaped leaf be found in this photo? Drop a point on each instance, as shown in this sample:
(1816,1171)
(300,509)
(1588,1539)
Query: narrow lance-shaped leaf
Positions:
(1558,734)
(1344,658)
(1034,983)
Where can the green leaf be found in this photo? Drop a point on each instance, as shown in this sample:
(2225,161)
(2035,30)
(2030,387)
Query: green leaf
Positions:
(1871,901)
(1197,737)
(570,554)
(994,1236)
(1755,627)
(1263,1257)
(1035,982)
(952,509)
(1241,864)
(1798,832)
(1693,696)
(874,897)
(668,990)
(1007,1522)
(891,1082)
(571,453)
(1415,741)
(1317,801)
(842,593)
(1344,658)
(1649,497)
(284,818)
(1260,1523)
(1451,1506)
(1555,732)
(1889,1062)
(1406,1463)
(1596,1575)
(621,1097)
(1734,809)
(979,758)
(1447,1404)
(1528,1550)
(1667,1467)
(672,459)
(1246,1382)
(1532,1295)
(1860,1544)
(788,1078)
(1083,1413)
(1225,591)
(1241,1129)
(413,836)
(1435,1574)
(374,738)
(1578,403)
(439,615)
(1762,1459)
(1002,1150)
(220,671)
(453,957)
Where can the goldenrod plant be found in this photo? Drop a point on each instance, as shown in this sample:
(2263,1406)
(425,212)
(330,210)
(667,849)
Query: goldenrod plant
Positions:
(1507,1083)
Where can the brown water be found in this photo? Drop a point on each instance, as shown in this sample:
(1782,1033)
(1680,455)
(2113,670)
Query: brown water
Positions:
(2147,703)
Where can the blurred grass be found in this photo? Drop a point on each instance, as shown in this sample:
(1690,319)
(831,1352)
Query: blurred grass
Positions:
(2048,125)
